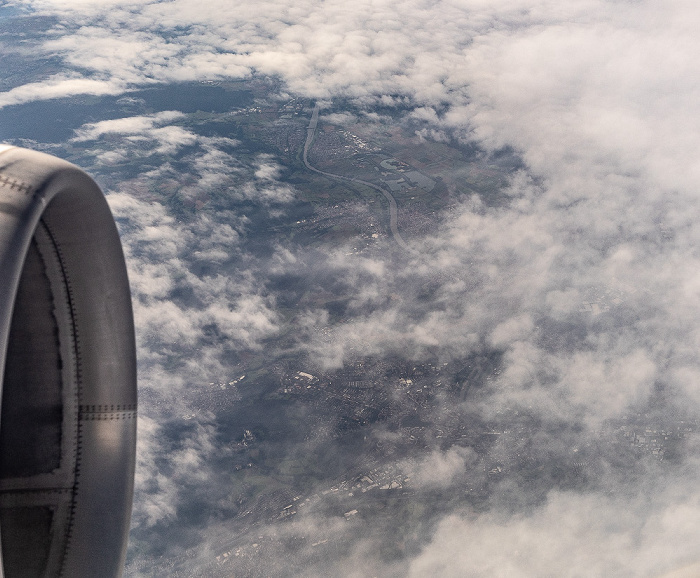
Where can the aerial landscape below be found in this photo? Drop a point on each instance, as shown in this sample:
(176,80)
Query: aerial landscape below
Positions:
(415,284)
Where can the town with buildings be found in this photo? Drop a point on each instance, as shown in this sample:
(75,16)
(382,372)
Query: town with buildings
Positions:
(294,441)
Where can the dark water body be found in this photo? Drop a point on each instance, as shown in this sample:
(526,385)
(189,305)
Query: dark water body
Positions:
(54,121)
(193,97)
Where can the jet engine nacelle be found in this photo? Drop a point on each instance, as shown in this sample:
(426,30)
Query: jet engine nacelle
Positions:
(68,368)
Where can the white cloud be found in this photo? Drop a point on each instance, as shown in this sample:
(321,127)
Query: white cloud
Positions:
(128,125)
(60,86)
(571,534)
(151,128)
(159,489)
(158,251)
(438,470)
(584,277)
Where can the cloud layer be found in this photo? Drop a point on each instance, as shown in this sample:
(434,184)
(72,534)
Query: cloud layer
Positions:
(584,279)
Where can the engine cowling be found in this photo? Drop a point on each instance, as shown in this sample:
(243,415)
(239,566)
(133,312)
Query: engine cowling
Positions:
(68,367)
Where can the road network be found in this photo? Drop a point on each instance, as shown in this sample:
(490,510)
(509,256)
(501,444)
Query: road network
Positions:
(393,209)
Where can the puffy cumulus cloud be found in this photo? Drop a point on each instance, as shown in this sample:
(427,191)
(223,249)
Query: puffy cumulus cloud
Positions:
(510,330)
(161,254)
(60,86)
(496,68)
(439,469)
(160,503)
(146,131)
(611,93)
(140,54)
(176,307)
(212,164)
(636,535)
(342,118)
(127,125)
(267,169)
(165,478)
(369,49)
(586,328)
(267,187)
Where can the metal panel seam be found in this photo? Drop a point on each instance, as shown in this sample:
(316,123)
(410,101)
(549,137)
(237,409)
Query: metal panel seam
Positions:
(78,383)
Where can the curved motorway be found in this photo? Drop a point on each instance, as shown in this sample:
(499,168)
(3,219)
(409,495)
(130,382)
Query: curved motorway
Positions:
(393,209)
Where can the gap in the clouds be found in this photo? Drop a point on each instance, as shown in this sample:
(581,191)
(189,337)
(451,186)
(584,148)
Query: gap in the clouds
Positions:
(20,63)
(393,472)
(190,97)
(461,165)
(17,19)
(55,120)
